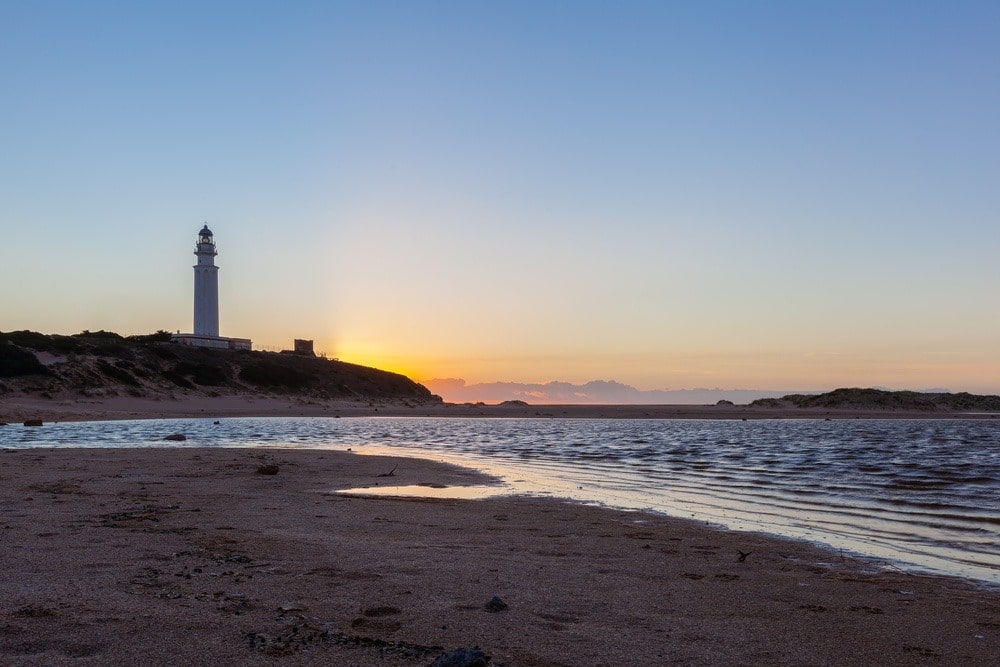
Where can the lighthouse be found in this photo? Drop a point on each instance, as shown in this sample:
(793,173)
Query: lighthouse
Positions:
(206,286)
(206,300)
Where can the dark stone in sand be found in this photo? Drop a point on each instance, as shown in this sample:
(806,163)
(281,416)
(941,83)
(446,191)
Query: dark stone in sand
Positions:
(176,437)
(269,469)
(496,604)
(32,422)
(382,611)
(36,611)
(463,657)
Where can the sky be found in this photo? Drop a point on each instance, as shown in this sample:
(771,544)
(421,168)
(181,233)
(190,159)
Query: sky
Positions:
(670,195)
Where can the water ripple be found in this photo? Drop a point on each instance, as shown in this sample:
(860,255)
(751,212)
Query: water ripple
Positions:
(920,493)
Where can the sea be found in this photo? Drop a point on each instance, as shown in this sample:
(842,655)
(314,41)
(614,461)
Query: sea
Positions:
(915,495)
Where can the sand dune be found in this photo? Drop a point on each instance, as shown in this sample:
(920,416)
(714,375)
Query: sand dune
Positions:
(17,408)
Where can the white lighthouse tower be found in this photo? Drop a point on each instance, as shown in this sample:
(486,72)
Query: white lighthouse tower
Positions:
(206,286)
(206,300)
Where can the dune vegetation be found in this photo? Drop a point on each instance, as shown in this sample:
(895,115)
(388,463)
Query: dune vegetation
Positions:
(104,363)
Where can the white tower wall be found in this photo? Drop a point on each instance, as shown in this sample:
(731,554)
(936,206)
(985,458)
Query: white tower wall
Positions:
(206,287)
(206,302)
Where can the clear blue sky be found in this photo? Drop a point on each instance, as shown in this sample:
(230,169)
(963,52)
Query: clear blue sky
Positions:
(737,194)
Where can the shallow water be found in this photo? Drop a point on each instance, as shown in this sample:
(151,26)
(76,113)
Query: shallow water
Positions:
(917,494)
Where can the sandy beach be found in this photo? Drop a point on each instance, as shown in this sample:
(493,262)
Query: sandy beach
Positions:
(192,556)
(17,408)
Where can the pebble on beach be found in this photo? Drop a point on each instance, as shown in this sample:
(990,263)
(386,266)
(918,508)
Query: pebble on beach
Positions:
(463,657)
(496,604)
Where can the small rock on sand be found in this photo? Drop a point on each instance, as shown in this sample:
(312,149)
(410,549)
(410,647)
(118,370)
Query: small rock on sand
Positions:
(269,469)
(496,604)
(176,437)
(463,657)
(32,422)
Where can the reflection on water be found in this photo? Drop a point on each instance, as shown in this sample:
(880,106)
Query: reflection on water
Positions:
(432,491)
(919,493)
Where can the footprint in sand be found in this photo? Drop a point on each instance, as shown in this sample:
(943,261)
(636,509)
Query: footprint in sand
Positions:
(870,610)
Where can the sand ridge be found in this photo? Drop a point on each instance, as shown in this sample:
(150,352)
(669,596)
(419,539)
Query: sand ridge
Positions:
(189,556)
(15,409)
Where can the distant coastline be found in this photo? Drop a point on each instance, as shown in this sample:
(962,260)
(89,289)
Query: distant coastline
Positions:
(882,400)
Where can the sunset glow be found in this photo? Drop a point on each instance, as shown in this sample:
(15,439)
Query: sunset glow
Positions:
(670,196)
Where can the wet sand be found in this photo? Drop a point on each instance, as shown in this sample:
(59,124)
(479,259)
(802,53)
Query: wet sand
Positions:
(190,556)
(16,409)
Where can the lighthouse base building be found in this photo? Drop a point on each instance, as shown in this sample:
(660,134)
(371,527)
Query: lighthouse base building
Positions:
(206,301)
(218,342)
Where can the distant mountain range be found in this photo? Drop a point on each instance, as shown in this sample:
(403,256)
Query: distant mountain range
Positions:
(604,392)
(596,392)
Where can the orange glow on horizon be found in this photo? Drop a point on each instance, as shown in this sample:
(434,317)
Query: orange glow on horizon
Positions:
(374,357)
(802,371)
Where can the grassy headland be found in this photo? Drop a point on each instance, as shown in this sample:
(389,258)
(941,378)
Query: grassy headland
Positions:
(881,400)
(103,364)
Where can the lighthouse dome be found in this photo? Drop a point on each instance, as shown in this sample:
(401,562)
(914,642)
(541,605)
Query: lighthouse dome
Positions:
(205,231)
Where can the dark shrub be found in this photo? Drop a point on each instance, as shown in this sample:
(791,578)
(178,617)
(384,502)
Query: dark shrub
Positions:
(29,339)
(90,379)
(115,373)
(15,362)
(265,373)
(99,334)
(767,403)
(64,344)
(207,374)
(163,353)
(160,336)
(115,350)
(41,342)
(178,379)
